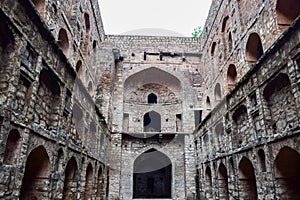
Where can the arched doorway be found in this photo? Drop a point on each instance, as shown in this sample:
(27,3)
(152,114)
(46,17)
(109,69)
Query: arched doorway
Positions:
(88,192)
(36,175)
(287,165)
(223,182)
(208,183)
(152,175)
(71,178)
(152,122)
(247,180)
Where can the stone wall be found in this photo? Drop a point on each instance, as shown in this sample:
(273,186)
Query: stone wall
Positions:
(226,37)
(260,124)
(54,140)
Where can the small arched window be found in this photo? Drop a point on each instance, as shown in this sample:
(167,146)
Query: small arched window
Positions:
(79,70)
(208,105)
(152,98)
(213,48)
(63,40)
(87,22)
(218,95)
(254,48)
(230,42)
(231,75)
(224,23)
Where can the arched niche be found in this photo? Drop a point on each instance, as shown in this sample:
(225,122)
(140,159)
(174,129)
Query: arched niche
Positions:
(247,180)
(218,95)
(231,76)
(71,179)
(12,145)
(208,183)
(87,22)
(152,75)
(37,172)
(213,48)
(254,48)
(88,191)
(152,175)
(80,70)
(287,11)
(63,41)
(40,6)
(208,104)
(224,23)
(287,165)
(280,103)
(223,182)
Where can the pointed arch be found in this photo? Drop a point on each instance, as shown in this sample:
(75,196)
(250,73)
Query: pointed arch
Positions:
(60,159)
(152,98)
(87,22)
(208,104)
(80,70)
(37,171)
(223,182)
(240,119)
(40,5)
(247,180)
(63,41)
(217,92)
(88,190)
(262,159)
(12,145)
(224,23)
(152,122)
(213,48)
(231,76)
(280,103)
(287,165)
(71,178)
(208,183)
(254,48)
(153,75)
(275,86)
(152,175)
(100,188)
(287,11)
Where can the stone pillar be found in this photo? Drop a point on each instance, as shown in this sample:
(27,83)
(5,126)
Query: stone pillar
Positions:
(190,170)
(115,167)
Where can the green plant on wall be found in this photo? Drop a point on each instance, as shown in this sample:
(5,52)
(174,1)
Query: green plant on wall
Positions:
(197,32)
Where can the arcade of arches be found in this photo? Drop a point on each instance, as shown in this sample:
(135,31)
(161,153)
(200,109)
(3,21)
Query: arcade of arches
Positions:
(87,115)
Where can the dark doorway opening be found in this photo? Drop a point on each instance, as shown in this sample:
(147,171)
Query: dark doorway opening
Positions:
(152,175)
(152,122)
(152,98)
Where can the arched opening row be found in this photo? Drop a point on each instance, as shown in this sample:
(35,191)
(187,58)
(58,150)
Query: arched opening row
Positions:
(38,172)
(287,178)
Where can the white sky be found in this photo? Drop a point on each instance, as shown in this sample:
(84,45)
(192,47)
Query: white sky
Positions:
(180,16)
